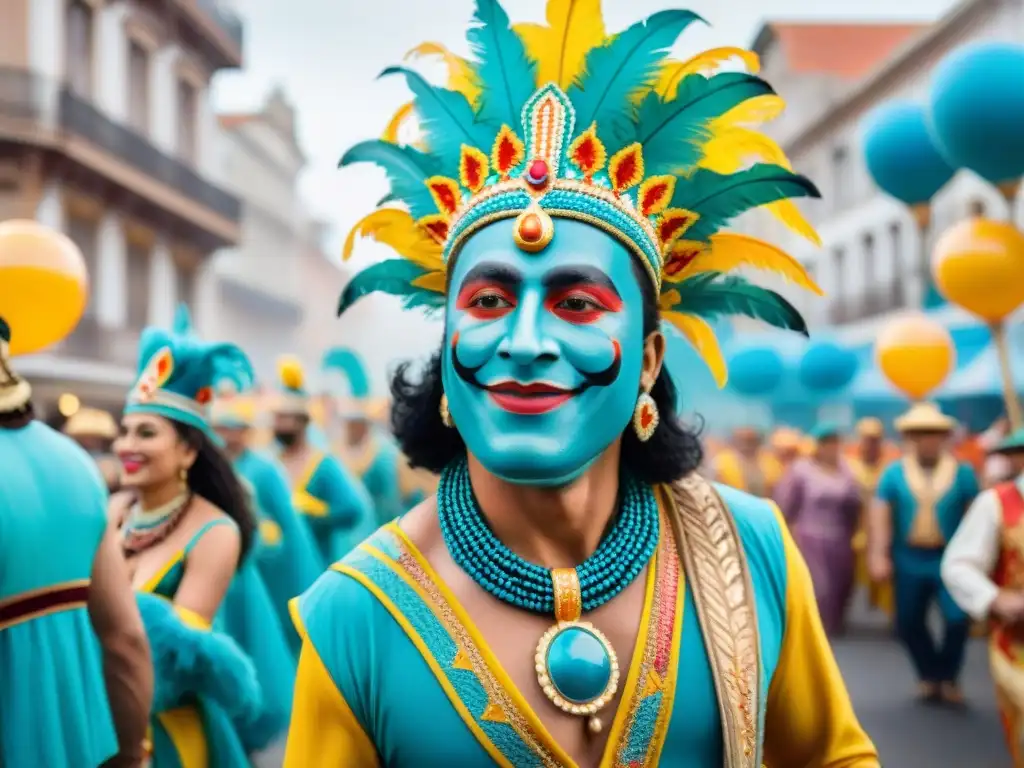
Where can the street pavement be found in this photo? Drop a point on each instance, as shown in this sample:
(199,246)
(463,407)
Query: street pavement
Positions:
(907,734)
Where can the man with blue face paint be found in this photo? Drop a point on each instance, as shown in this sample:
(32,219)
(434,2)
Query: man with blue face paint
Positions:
(574,594)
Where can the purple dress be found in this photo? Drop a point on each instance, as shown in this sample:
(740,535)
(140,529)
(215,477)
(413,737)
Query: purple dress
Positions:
(823,508)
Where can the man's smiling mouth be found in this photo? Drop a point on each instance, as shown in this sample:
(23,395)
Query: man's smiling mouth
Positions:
(528,399)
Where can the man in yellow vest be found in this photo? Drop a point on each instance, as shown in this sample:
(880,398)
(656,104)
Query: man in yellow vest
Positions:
(746,465)
(867,464)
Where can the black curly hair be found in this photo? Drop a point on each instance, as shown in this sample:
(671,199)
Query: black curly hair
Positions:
(673,451)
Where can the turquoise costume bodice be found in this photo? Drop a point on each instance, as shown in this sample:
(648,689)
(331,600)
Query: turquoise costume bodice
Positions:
(290,561)
(895,490)
(375,464)
(335,505)
(53,516)
(437,662)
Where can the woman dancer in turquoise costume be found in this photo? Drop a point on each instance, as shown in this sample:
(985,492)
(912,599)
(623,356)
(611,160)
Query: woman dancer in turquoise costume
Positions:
(368,453)
(186,528)
(288,558)
(75,676)
(335,504)
(536,612)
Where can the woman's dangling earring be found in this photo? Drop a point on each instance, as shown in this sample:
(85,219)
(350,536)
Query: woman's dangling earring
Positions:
(446,416)
(645,417)
(183,478)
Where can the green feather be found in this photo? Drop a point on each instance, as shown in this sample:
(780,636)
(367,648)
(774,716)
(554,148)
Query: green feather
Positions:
(182,320)
(407,168)
(719,199)
(393,277)
(502,64)
(446,118)
(349,364)
(617,70)
(671,132)
(712,295)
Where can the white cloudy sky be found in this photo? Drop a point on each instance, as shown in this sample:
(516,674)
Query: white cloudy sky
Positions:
(326,54)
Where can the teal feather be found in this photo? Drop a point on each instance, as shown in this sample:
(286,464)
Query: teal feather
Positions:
(712,295)
(446,118)
(182,320)
(228,363)
(671,132)
(719,199)
(616,71)
(350,365)
(393,277)
(502,64)
(406,167)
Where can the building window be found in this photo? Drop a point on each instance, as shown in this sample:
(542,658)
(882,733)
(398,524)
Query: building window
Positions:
(977,208)
(842,177)
(838,309)
(138,87)
(78,49)
(898,287)
(85,234)
(139,268)
(188,120)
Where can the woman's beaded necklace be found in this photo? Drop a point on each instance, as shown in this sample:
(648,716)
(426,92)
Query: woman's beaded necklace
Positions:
(143,529)
(576,665)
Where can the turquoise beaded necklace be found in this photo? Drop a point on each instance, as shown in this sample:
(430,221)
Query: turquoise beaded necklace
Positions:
(576,665)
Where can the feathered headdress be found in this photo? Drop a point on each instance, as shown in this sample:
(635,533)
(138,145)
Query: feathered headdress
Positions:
(359,403)
(293,397)
(565,121)
(178,373)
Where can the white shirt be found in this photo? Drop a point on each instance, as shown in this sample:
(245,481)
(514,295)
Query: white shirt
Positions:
(972,555)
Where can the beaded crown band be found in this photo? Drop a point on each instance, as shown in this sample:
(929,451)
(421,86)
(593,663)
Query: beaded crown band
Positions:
(566,121)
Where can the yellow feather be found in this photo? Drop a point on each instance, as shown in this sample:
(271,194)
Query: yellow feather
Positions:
(432,281)
(702,337)
(461,76)
(560,49)
(396,228)
(755,111)
(730,251)
(787,212)
(289,371)
(730,149)
(404,113)
(673,72)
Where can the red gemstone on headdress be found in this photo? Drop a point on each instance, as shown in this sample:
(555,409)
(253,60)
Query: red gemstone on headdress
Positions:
(531,229)
(537,173)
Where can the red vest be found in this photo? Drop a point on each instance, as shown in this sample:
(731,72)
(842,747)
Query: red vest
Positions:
(1010,566)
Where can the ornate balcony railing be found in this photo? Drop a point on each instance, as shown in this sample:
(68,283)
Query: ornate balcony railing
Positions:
(37,102)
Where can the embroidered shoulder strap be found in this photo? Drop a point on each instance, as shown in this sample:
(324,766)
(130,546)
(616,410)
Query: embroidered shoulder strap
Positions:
(719,578)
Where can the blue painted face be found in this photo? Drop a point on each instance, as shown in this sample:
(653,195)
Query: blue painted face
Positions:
(543,351)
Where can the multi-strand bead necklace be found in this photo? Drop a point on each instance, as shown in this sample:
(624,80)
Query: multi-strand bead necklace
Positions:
(143,529)
(576,665)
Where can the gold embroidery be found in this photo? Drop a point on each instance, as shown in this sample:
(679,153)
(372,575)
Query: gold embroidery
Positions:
(724,598)
(928,491)
(497,696)
(494,714)
(461,661)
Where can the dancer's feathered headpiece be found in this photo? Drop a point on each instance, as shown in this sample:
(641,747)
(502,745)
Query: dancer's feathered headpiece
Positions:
(565,121)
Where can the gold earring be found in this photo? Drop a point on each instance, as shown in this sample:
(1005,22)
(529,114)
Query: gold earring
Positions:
(645,417)
(183,477)
(446,416)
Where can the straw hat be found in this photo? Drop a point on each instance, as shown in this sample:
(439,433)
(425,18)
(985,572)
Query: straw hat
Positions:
(870,427)
(925,417)
(785,439)
(91,422)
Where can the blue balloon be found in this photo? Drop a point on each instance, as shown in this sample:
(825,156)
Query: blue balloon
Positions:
(977,110)
(755,371)
(900,154)
(827,367)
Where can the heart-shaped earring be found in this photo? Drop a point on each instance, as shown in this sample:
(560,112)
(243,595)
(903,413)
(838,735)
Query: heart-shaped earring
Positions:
(645,417)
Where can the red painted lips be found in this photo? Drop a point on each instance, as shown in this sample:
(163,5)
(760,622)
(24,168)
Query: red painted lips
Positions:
(528,399)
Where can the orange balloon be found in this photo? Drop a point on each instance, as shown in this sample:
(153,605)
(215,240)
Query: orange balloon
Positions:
(43,285)
(978,264)
(915,354)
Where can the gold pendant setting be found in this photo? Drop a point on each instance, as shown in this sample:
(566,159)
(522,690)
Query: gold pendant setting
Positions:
(576,666)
